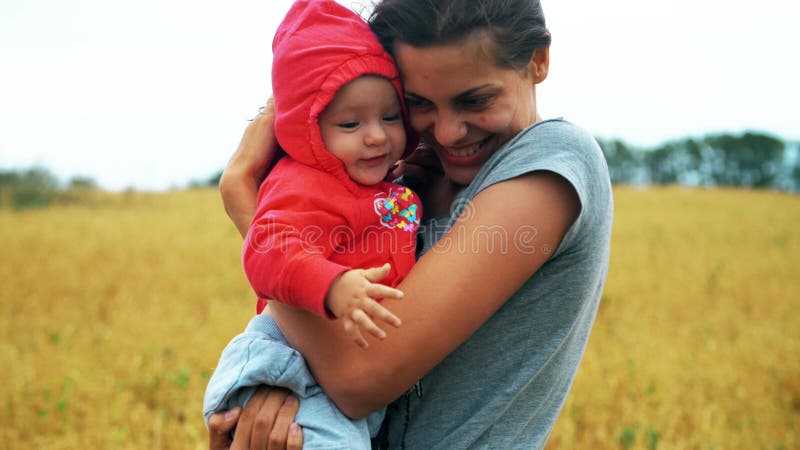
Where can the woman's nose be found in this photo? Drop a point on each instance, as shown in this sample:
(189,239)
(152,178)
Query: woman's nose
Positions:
(449,129)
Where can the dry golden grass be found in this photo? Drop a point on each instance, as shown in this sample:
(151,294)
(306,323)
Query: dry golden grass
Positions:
(697,340)
(113,314)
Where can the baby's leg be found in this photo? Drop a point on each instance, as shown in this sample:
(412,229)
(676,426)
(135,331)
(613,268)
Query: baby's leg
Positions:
(261,356)
(325,427)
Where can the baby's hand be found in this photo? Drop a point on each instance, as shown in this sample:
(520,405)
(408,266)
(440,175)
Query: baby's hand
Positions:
(351,299)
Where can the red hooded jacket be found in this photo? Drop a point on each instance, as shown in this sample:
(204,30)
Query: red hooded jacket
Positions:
(314,222)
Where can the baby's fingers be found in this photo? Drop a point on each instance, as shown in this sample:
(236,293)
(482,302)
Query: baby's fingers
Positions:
(376,274)
(362,320)
(374,309)
(376,290)
(352,330)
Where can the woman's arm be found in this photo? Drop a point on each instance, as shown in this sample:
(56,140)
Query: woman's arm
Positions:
(247,168)
(449,294)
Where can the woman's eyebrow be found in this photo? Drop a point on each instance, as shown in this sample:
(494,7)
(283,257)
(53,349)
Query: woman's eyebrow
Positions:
(414,96)
(467,93)
(472,91)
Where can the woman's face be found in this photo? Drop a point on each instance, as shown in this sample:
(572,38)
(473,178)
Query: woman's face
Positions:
(463,104)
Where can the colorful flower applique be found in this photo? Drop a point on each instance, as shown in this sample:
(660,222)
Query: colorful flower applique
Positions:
(398,209)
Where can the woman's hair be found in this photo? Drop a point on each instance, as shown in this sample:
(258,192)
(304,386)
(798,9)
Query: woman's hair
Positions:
(516,27)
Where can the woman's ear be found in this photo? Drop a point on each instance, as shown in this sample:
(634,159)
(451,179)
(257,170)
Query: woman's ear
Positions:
(540,64)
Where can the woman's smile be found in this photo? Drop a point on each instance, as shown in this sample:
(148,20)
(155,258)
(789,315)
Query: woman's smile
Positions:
(466,154)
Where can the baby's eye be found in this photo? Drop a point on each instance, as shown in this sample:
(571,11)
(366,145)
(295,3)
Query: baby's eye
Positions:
(347,125)
(392,118)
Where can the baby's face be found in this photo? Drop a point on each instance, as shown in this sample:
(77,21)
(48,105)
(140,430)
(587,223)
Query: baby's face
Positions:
(363,127)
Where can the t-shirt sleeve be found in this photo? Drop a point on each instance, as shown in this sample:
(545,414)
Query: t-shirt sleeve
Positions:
(564,149)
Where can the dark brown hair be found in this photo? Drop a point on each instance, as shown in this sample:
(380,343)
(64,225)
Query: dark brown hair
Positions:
(517,27)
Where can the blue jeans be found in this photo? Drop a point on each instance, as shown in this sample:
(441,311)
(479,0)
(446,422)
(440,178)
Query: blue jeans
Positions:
(261,356)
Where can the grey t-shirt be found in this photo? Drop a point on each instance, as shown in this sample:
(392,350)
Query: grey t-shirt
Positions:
(505,386)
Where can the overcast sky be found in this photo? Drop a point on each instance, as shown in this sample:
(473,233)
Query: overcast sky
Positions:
(153,93)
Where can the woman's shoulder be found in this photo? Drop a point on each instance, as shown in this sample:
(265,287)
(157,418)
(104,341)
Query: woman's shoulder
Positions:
(553,136)
(554,145)
(560,147)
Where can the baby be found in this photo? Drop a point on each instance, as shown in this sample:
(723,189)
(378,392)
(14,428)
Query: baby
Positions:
(328,227)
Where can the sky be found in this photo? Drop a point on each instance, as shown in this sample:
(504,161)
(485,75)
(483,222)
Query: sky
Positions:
(154,93)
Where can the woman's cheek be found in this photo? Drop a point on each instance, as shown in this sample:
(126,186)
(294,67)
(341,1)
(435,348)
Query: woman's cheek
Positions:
(502,121)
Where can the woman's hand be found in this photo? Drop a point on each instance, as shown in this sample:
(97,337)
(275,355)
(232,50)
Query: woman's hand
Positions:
(421,165)
(267,423)
(248,167)
(422,172)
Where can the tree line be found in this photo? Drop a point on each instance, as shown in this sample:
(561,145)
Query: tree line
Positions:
(37,187)
(751,159)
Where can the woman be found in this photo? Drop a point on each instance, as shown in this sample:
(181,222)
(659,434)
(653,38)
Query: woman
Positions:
(514,269)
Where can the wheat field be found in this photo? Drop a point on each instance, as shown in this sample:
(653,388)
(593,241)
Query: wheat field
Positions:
(113,312)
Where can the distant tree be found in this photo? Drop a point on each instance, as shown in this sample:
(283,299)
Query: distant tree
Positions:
(753,159)
(82,182)
(8,178)
(212,181)
(41,177)
(623,162)
(796,177)
(28,188)
(673,162)
(697,153)
(659,166)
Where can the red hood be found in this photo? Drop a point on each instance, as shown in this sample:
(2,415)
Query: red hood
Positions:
(319,47)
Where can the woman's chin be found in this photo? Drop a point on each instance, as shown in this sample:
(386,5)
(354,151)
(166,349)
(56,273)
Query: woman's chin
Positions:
(460,175)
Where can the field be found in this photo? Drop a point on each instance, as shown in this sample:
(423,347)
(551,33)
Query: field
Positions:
(112,315)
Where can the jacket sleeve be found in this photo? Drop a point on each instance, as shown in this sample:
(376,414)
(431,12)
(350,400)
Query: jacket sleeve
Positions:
(287,252)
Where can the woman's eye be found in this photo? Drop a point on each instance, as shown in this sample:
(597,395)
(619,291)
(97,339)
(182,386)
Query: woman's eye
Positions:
(476,102)
(347,125)
(416,103)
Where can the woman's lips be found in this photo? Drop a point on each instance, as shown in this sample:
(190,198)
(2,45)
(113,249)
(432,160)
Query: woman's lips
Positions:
(466,154)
